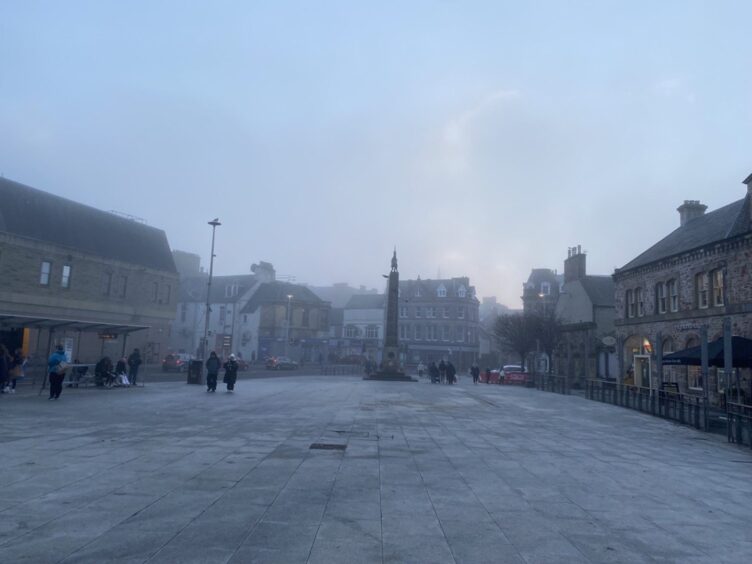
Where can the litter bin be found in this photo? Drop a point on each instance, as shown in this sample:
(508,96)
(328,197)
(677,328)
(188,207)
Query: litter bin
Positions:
(196,372)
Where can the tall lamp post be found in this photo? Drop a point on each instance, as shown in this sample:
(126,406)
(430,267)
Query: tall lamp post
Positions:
(287,325)
(205,342)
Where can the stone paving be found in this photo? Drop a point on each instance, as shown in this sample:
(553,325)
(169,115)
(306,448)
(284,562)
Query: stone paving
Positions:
(169,473)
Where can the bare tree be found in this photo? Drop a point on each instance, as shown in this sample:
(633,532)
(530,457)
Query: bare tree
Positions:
(517,332)
(548,329)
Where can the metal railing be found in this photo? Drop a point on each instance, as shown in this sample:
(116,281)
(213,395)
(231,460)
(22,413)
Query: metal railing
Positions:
(682,408)
(552,383)
(739,423)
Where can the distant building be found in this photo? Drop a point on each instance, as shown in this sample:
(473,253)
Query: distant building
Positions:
(541,291)
(340,293)
(439,319)
(687,283)
(363,326)
(586,309)
(94,282)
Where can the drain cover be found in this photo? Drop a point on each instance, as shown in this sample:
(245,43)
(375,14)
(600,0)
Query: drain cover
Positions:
(327,446)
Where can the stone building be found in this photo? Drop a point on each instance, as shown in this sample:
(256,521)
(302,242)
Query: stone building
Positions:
(95,282)
(541,291)
(585,308)
(439,319)
(685,284)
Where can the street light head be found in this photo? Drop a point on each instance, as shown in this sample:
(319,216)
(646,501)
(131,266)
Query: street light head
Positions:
(214,222)
(289,296)
(541,295)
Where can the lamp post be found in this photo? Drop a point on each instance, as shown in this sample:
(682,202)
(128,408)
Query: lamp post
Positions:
(287,325)
(205,342)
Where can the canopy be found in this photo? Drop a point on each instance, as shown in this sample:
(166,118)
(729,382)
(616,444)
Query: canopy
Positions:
(741,349)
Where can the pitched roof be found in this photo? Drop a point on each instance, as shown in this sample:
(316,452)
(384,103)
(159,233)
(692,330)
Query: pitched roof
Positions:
(193,289)
(724,223)
(277,292)
(600,290)
(366,301)
(33,214)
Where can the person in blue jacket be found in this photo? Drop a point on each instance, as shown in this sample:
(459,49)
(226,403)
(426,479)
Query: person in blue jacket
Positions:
(57,375)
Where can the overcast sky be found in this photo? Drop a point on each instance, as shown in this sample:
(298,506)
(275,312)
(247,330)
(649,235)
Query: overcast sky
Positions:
(482,138)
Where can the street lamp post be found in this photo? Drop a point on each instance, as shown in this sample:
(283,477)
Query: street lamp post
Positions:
(205,342)
(287,325)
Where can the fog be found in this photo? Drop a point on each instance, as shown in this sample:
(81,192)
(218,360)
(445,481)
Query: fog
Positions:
(480,138)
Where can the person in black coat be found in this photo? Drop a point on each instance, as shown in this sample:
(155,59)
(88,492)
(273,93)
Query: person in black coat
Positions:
(433,372)
(442,371)
(451,372)
(212,370)
(475,371)
(231,373)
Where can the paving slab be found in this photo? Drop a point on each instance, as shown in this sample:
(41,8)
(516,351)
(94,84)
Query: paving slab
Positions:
(429,473)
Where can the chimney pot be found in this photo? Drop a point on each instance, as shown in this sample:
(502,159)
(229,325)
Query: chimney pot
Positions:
(690,210)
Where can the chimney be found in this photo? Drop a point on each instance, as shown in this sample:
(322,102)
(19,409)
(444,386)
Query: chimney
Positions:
(575,267)
(689,210)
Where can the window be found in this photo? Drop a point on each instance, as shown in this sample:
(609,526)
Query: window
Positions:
(445,333)
(123,286)
(441,291)
(545,288)
(231,290)
(433,334)
(631,308)
(222,315)
(183,312)
(106,283)
(372,331)
(668,345)
(403,312)
(460,334)
(660,297)
(418,311)
(460,312)
(673,295)
(418,332)
(640,297)
(65,280)
(155,292)
(446,312)
(431,312)
(462,292)
(718,288)
(44,273)
(351,331)
(702,283)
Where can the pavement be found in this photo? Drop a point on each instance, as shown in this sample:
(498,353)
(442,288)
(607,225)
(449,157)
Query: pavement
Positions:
(413,472)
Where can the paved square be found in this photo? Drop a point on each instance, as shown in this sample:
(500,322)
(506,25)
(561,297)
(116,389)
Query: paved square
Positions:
(169,473)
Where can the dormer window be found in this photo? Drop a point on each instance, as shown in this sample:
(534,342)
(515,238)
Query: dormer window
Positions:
(231,290)
(462,292)
(545,288)
(441,291)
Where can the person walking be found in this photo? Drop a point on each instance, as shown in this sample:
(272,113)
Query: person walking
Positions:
(5,362)
(451,372)
(212,370)
(475,371)
(231,373)
(56,367)
(433,373)
(16,371)
(442,371)
(134,361)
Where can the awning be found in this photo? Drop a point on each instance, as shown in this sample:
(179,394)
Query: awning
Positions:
(741,350)
(12,321)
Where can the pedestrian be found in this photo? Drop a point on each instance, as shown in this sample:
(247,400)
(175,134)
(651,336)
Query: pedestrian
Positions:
(421,369)
(5,362)
(433,373)
(488,375)
(442,371)
(103,373)
(231,373)
(212,370)
(134,361)
(451,372)
(475,371)
(17,368)
(56,366)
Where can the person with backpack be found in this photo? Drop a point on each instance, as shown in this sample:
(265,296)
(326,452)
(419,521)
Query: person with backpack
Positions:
(56,367)
(231,373)
(212,370)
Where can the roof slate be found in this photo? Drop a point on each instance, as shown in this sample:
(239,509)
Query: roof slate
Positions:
(600,290)
(277,292)
(729,221)
(366,301)
(193,289)
(41,216)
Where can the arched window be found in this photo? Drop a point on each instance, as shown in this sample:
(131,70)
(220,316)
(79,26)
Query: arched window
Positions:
(668,345)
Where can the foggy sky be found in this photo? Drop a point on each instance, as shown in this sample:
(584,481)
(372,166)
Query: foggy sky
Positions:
(482,138)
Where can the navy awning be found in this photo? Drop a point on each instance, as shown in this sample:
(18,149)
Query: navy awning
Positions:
(741,350)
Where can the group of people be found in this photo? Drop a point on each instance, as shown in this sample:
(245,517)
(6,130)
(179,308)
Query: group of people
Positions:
(11,369)
(107,375)
(213,366)
(442,373)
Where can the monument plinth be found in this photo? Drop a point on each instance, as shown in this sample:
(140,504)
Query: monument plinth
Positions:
(390,369)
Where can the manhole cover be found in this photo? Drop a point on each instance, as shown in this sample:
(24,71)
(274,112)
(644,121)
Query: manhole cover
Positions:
(327,446)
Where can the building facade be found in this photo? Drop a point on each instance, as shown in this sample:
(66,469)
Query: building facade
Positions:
(541,291)
(363,326)
(682,288)
(96,283)
(438,319)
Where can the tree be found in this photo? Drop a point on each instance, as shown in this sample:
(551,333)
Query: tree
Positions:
(517,332)
(548,328)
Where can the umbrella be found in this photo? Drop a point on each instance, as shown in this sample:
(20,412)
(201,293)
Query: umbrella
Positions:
(741,349)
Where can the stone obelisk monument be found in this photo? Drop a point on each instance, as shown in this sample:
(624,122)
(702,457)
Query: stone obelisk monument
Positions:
(390,364)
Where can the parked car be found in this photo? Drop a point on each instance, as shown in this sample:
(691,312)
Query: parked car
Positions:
(512,374)
(281,363)
(178,362)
